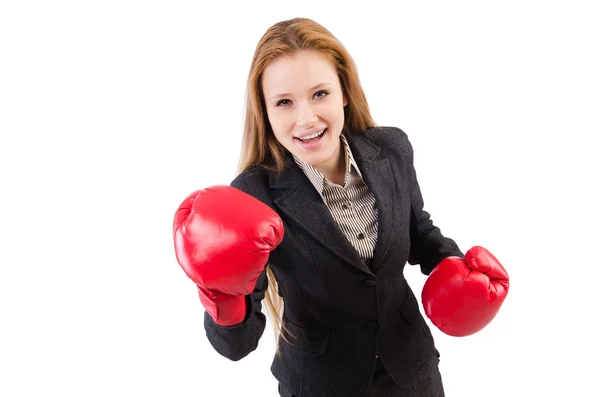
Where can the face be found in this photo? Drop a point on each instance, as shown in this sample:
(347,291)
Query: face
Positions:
(303,97)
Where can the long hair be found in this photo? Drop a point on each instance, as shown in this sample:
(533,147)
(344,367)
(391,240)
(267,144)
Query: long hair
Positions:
(259,145)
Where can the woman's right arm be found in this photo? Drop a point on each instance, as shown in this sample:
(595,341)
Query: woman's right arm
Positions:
(237,341)
(223,238)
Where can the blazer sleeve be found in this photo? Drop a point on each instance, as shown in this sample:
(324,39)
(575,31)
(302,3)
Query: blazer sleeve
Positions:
(428,246)
(237,341)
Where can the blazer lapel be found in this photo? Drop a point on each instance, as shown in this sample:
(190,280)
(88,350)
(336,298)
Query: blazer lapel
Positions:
(377,174)
(303,203)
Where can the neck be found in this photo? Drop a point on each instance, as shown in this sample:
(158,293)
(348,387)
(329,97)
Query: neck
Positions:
(335,168)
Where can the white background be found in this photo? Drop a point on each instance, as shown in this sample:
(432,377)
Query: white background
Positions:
(112,112)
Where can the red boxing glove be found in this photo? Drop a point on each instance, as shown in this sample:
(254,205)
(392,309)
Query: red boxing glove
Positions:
(223,238)
(461,297)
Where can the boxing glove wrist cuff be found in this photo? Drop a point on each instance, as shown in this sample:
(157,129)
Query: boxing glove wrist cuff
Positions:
(225,309)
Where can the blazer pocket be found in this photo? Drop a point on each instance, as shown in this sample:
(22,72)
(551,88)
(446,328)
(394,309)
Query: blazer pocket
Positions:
(308,341)
(410,308)
(412,315)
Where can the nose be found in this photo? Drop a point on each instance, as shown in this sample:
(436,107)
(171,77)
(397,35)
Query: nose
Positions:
(305,116)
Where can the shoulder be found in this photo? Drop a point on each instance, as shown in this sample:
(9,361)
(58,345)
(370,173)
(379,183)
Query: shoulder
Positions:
(253,181)
(391,140)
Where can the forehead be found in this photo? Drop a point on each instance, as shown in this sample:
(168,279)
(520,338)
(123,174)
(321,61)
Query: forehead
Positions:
(298,73)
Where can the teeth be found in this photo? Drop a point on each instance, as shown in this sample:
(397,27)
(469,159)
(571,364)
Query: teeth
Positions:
(316,134)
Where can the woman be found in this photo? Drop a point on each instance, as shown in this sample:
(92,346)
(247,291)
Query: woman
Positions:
(323,215)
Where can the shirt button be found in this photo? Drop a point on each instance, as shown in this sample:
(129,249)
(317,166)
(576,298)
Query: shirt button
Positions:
(345,206)
(360,236)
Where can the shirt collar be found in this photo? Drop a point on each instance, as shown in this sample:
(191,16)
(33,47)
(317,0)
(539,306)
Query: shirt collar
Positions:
(317,179)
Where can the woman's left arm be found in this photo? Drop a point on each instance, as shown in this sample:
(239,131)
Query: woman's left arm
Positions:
(463,292)
(428,245)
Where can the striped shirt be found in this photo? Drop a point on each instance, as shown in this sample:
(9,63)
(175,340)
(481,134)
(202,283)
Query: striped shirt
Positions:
(352,205)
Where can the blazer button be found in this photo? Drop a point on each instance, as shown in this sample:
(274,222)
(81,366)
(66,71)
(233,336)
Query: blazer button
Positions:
(372,326)
(370,282)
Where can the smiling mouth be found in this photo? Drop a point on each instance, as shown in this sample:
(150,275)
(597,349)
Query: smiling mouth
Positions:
(314,137)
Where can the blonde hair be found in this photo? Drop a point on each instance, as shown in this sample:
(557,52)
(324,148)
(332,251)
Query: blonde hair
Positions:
(259,145)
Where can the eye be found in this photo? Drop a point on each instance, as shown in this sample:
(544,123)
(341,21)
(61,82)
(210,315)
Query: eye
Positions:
(321,92)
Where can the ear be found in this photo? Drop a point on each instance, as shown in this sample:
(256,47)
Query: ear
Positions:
(345,101)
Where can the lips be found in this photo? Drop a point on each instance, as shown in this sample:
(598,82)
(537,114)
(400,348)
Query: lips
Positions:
(306,139)
(313,143)
(309,133)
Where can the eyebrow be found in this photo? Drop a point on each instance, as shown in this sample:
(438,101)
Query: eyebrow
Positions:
(313,88)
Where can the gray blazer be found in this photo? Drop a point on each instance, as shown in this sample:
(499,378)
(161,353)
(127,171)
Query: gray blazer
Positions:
(342,310)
